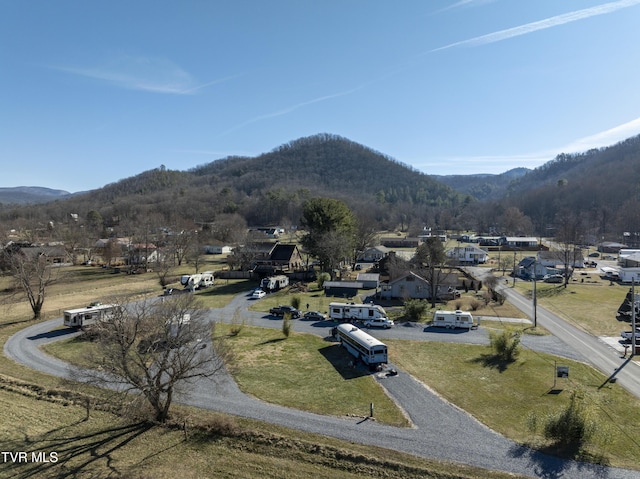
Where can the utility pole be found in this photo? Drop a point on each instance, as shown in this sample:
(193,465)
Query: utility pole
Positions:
(535,299)
(633,317)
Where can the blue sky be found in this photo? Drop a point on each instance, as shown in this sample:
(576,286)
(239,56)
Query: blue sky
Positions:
(93,92)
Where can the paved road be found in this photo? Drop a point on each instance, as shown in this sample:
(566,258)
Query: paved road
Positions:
(441,431)
(594,351)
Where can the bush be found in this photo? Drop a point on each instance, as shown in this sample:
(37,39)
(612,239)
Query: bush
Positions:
(505,344)
(475,304)
(295,302)
(414,309)
(571,426)
(322,277)
(286,325)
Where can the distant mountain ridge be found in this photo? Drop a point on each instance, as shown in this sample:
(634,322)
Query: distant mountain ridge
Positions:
(30,194)
(483,186)
(272,187)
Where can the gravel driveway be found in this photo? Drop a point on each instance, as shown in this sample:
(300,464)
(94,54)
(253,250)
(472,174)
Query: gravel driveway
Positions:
(441,431)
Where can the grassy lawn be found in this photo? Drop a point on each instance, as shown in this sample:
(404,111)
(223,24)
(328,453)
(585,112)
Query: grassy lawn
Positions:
(215,446)
(302,371)
(505,397)
(306,372)
(592,306)
(223,291)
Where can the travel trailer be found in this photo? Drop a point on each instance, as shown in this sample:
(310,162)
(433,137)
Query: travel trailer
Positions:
(454,319)
(349,311)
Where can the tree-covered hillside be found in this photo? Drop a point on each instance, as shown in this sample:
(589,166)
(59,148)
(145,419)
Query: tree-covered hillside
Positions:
(268,189)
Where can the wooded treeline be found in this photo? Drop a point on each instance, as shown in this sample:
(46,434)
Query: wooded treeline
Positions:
(601,187)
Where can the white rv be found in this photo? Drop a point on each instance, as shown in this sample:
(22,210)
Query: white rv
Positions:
(207,279)
(274,283)
(197,281)
(454,319)
(77,318)
(349,311)
(176,324)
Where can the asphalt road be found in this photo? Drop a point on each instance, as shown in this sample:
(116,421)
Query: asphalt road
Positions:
(596,352)
(440,430)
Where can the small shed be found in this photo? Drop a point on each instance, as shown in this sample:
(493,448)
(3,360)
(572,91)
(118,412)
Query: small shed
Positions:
(342,289)
(369,280)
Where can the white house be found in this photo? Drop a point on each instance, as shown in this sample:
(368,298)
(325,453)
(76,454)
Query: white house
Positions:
(217,249)
(374,253)
(468,254)
(629,275)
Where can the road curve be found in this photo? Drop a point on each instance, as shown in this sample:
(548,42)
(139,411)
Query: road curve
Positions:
(441,431)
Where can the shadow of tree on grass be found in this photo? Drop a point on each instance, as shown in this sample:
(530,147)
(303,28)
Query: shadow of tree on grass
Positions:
(74,454)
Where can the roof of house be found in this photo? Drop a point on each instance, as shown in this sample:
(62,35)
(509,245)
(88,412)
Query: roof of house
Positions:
(342,284)
(368,276)
(283,252)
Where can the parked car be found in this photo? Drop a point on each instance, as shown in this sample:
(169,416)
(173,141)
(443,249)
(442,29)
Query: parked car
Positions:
(284,309)
(314,316)
(258,293)
(378,323)
(553,278)
(627,335)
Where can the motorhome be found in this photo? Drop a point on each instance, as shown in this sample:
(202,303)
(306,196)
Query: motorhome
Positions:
(350,311)
(274,283)
(78,318)
(454,319)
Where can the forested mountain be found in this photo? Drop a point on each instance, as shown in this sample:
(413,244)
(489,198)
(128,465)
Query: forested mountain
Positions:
(266,189)
(599,187)
(30,194)
(483,186)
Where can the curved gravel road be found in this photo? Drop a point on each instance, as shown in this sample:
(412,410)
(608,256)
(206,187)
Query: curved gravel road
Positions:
(441,431)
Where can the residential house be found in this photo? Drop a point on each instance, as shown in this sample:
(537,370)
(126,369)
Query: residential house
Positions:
(629,260)
(610,247)
(468,255)
(373,254)
(52,254)
(400,242)
(530,268)
(283,258)
(519,242)
(554,259)
(217,249)
(413,286)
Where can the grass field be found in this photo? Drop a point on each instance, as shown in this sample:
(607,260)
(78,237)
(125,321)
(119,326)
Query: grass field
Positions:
(506,397)
(212,445)
(591,306)
(497,399)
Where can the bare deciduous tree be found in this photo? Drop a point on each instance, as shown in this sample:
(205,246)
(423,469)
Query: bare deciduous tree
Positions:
(32,273)
(154,349)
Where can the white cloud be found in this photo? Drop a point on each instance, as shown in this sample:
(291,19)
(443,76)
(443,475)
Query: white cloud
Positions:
(156,75)
(291,109)
(542,24)
(605,138)
(495,164)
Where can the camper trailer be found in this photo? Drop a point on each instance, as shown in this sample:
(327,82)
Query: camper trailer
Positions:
(274,283)
(176,324)
(78,318)
(454,319)
(197,281)
(350,311)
